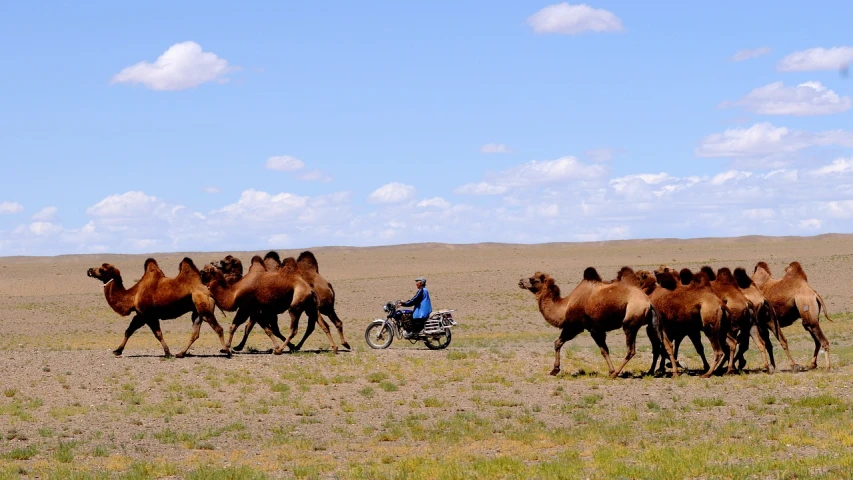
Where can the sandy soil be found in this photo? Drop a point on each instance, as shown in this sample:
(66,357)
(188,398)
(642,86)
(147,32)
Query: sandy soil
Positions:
(318,414)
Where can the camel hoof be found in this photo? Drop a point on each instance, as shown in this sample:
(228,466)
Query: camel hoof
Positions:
(167,355)
(555,371)
(227,353)
(238,348)
(222,350)
(346,345)
(180,355)
(292,347)
(797,368)
(335,349)
(277,351)
(117,353)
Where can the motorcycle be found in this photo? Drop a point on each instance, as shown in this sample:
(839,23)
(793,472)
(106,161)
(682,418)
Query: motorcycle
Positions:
(435,334)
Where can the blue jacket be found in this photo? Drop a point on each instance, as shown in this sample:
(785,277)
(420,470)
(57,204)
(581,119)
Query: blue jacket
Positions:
(423,307)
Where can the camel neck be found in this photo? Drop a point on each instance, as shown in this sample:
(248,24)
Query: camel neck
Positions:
(551,307)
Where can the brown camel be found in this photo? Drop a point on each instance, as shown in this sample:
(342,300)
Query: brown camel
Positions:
(687,306)
(595,306)
(793,298)
(156,297)
(766,321)
(309,269)
(267,294)
(743,315)
(232,270)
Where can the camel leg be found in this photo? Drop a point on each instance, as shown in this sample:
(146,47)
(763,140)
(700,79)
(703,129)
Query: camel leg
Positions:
(270,333)
(246,331)
(239,318)
(309,329)
(731,346)
(135,324)
(713,335)
(777,332)
(210,318)
(154,325)
(820,341)
(193,337)
(566,334)
(631,343)
(294,313)
(600,340)
(672,351)
(318,319)
(657,348)
(764,333)
(753,332)
(333,316)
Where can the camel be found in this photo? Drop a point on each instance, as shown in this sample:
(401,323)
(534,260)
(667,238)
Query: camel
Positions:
(766,321)
(267,294)
(744,317)
(156,297)
(232,270)
(793,298)
(308,268)
(687,306)
(595,306)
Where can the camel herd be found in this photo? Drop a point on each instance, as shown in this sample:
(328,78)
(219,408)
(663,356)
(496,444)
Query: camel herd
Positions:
(270,287)
(728,307)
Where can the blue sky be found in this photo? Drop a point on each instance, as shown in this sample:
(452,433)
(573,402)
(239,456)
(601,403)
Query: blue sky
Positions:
(208,126)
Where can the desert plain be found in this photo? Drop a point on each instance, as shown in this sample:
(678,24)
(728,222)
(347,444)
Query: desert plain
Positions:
(485,407)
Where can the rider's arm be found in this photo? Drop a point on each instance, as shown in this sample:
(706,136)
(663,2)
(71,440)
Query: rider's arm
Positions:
(417,298)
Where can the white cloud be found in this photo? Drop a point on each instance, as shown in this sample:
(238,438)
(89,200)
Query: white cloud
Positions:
(392,193)
(46,214)
(810,224)
(750,53)
(436,202)
(258,206)
(212,190)
(495,148)
(569,19)
(481,188)
(809,98)
(759,214)
(724,177)
(839,165)
(549,171)
(129,204)
(184,65)
(10,207)
(44,228)
(315,176)
(284,163)
(815,59)
(764,139)
(602,154)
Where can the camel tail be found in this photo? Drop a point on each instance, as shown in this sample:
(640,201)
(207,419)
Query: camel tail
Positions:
(653,318)
(775,326)
(822,305)
(726,320)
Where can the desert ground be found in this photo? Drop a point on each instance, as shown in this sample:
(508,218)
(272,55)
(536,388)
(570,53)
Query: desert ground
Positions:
(483,408)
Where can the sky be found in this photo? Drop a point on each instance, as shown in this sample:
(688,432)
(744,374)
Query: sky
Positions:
(140,127)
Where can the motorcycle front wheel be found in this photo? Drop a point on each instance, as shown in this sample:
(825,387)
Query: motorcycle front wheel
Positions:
(438,343)
(378,335)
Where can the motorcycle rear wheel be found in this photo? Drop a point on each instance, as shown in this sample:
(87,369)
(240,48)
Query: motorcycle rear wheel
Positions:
(381,333)
(438,343)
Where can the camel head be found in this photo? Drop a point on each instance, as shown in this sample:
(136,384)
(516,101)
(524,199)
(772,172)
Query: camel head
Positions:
(667,278)
(539,282)
(229,265)
(289,265)
(646,280)
(105,273)
(211,273)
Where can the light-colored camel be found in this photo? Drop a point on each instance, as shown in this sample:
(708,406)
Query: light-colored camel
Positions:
(744,316)
(156,297)
(767,322)
(309,270)
(793,298)
(687,307)
(267,293)
(595,306)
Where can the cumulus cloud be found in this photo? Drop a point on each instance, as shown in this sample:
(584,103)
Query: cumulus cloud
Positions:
(750,53)
(393,192)
(549,171)
(839,165)
(809,98)
(567,19)
(46,214)
(284,163)
(11,207)
(435,202)
(481,188)
(184,65)
(764,139)
(815,59)
(495,148)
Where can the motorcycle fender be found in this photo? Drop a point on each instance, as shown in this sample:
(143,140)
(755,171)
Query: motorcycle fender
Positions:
(380,321)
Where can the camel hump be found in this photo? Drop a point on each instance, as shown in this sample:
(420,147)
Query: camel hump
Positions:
(741,277)
(188,264)
(289,264)
(707,270)
(666,279)
(151,263)
(762,266)
(701,280)
(257,259)
(307,259)
(625,272)
(795,270)
(591,274)
(725,275)
(272,255)
(686,276)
